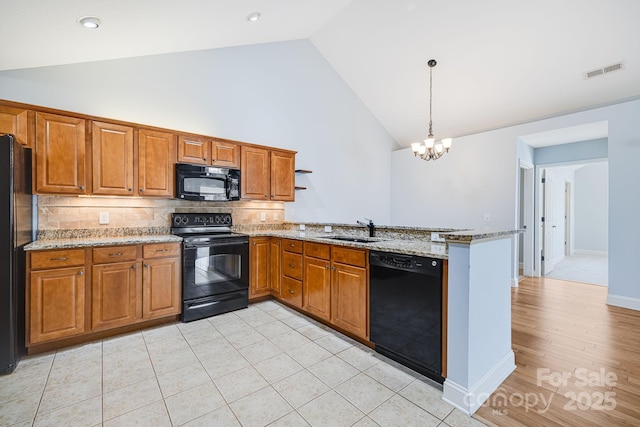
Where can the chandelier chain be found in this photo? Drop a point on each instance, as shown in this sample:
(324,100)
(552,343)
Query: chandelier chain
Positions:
(430,100)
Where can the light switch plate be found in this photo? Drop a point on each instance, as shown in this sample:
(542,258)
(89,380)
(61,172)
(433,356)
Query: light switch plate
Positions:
(327,229)
(301,227)
(263,216)
(104,218)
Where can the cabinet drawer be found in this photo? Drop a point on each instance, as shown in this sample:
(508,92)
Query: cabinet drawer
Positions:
(56,258)
(292,265)
(290,245)
(292,291)
(114,254)
(160,250)
(343,255)
(317,250)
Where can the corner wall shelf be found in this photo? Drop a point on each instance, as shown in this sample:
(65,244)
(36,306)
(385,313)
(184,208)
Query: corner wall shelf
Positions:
(297,187)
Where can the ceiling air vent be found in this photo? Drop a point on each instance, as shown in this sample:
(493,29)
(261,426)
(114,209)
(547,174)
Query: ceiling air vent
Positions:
(604,70)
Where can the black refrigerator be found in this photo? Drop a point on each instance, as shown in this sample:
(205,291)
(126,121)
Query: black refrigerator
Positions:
(16,231)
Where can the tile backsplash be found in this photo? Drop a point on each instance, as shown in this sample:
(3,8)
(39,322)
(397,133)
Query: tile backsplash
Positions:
(77,212)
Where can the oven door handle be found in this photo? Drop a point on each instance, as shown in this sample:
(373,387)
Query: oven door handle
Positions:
(212,245)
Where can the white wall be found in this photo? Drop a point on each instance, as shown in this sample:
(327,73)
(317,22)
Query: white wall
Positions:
(480,175)
(280,94)
(591,195)
(476,177)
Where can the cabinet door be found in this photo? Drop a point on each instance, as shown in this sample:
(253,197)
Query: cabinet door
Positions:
(60,154)
(56,304)
(115,295)
(350,299)
(161,293)
(112,159)
(254,167)
(275,266)
(282,176)
(156,163)
(259,266)
(194,150)
(225,154)
(316,295)
(15,121)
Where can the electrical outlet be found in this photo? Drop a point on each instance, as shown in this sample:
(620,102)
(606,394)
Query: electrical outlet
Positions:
(275,216)
(263,216)
(327,229)
(301,227)
(104,218)
(487,216)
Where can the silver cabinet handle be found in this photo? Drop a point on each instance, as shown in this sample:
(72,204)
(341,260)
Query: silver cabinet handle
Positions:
(133,266)
(142,190)
(292,265)
(80,273)
(81,187)
(326,267)
(333,268)
(146,266)
(62,258)
(130,189)
(162,250)
(116,254)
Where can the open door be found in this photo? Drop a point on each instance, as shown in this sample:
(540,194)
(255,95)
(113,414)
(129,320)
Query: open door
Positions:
(547,223)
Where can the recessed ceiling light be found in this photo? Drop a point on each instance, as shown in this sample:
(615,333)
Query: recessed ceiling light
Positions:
(253,17)
(89,22)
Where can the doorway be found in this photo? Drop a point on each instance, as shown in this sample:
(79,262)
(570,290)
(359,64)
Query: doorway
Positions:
(525,265)
(573,221)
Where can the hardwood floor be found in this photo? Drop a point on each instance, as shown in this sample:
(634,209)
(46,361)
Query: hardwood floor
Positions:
(578,359)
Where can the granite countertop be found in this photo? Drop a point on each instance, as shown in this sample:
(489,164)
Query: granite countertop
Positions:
(402,240)
(81,242)
(402,246)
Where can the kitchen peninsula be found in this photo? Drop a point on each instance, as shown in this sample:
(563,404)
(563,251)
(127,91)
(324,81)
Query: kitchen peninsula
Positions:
(478,298)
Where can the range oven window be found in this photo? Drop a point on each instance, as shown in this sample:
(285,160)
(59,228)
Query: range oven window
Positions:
(214,268)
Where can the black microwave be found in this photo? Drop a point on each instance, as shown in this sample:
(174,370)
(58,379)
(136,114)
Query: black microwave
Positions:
(207,183)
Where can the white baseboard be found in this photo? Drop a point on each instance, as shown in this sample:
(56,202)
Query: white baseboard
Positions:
(557,259)
(624,302)
(469,401)
(588,252)
(514,282)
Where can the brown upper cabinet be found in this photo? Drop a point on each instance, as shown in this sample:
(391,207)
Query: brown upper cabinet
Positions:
(156,163)
(267,174)
(208,151)
(113,152)
(283,164)
(61,165)
(16,122)
(77,154)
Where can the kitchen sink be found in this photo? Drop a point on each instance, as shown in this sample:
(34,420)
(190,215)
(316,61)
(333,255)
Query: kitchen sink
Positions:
(355,239)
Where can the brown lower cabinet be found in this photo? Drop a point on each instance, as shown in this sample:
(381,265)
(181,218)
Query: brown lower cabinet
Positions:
(329,282)
(127,285)
(259,266)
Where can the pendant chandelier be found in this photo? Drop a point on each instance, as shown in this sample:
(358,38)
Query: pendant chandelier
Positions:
(430,149)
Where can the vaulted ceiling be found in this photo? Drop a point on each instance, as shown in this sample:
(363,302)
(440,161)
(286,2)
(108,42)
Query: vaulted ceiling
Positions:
(500,62)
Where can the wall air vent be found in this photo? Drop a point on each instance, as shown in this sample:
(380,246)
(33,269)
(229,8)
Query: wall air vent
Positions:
(604,70)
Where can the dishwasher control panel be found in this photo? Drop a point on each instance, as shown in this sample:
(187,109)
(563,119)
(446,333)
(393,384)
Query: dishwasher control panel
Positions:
(421,265)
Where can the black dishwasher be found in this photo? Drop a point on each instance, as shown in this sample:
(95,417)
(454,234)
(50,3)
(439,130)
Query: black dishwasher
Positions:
(406,310)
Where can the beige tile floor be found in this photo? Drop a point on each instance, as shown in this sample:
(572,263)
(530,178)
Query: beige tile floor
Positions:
(264,365)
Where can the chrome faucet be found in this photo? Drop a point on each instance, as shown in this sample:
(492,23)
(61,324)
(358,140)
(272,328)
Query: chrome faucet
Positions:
(370,226)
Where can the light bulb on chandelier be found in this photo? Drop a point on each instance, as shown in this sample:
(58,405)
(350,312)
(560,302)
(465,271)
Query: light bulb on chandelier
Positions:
(430,149)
